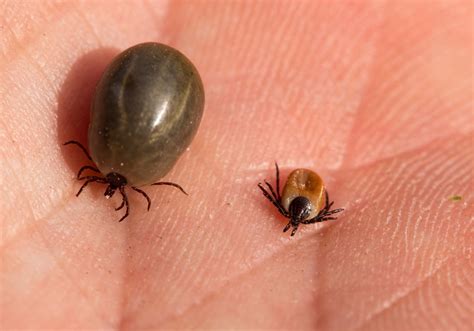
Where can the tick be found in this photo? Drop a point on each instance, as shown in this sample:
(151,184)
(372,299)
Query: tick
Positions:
(145,112)
(304,200)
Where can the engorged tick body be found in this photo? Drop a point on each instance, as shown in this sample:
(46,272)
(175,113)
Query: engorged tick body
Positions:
(146,110)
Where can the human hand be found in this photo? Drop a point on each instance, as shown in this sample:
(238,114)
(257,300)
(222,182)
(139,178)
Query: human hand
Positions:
(375,97)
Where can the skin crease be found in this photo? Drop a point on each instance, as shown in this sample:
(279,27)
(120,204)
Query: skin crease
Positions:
(376,97)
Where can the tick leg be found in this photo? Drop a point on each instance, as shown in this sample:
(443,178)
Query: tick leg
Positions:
(85,168)
(90,179)
(276,195)
(270,187)
(121,205)
(145,195)
(277,181)
(73,142)
(318,220)
(171,184)
(294,230)
(328,205)
(97,178)
(272,200)
(267,195)
(125,199)
(334,211)
(325,211)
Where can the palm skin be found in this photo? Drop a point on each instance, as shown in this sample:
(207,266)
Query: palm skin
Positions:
(375,97)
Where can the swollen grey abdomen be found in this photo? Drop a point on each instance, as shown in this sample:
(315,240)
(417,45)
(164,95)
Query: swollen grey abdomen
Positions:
(146,110)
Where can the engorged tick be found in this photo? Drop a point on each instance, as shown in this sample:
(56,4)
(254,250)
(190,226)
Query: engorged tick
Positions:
(305,199)
(146,110)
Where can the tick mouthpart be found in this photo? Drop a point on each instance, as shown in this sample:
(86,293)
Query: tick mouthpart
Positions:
(109,191)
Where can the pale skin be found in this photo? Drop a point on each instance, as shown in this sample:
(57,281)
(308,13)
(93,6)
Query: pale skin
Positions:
(375,97)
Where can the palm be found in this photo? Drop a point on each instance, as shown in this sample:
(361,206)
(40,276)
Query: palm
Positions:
(376,99)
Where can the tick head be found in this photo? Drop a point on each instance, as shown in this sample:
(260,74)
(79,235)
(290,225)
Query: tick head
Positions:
(115,181)
(300,209)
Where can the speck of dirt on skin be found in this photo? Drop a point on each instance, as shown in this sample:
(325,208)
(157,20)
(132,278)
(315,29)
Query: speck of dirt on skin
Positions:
(455,198)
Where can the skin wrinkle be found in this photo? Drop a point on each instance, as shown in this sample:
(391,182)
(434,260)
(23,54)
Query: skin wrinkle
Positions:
(69,273)
(358,113)
(410,151)
(391,235)
(32,302)
(26,51)
(467,299)
(24,41)
(397,298)
(204,242)
(235,279)
(412,194)
(21,156)
(399,60)
(18,181)
(74,283)
(285,66)
(406,241)
(84,19)
(151,10)
(389,99)
(451,173)
(184,242)
(433,199)
(413,52)
(28,230)
(40,70)
(446,175)
(126,313)
(363,88)
(38,221)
